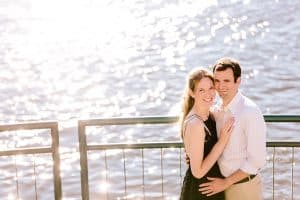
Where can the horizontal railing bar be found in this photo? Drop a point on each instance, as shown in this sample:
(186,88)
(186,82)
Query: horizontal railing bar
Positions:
(129,120)
(151,145)
(23,151)
(282,118)
(283,144)
(28,126)
(169,119)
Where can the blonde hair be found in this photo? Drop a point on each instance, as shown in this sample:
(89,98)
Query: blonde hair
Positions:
(194,77)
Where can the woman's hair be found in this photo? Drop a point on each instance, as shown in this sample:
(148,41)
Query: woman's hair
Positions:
(188,102)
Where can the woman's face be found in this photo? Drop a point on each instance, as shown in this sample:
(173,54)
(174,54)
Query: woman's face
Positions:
(204,92)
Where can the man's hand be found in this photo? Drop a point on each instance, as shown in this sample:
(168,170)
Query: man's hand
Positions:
(214,186)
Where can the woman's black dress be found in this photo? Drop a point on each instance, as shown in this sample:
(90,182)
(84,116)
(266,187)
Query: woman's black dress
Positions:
(190,187)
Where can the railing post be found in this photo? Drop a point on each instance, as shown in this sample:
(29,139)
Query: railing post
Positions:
(83,161)
(56,160)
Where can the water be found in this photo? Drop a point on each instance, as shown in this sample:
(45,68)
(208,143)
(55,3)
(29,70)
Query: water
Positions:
(67,60)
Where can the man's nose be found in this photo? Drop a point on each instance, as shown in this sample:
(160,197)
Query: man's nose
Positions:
(221,86)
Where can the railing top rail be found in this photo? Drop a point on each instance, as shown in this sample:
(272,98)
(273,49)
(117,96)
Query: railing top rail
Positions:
(28,126)
(282,118)
(129,120)
(146,145)
(168,119)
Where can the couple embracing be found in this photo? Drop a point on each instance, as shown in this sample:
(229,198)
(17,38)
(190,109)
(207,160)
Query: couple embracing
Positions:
(225,145)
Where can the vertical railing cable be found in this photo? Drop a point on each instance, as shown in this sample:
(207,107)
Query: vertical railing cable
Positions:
(125,178)
(162,172)
(143,170)
(16,177)
(273,172)
(293,160)
(35,179)
(34,173)
(106,174)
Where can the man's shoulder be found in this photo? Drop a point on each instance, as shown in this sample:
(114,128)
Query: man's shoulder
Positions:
(249,103)
(250,108)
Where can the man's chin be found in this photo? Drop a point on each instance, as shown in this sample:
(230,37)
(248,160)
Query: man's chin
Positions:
(222,95)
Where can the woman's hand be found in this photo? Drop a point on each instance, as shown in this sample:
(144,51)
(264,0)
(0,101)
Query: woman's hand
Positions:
(226,131)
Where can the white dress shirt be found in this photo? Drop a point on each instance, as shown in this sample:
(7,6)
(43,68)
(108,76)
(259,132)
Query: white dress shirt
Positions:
(246,149)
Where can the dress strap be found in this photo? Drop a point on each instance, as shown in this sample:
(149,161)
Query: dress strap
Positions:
(193,116)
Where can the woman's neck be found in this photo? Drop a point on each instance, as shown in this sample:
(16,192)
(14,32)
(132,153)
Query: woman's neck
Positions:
(203,113)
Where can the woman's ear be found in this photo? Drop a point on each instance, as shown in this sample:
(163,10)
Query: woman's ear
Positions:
(191,93)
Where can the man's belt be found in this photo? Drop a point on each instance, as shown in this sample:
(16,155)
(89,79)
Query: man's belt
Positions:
(248,178)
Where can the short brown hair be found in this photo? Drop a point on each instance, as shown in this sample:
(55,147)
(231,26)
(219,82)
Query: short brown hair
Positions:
(225,63)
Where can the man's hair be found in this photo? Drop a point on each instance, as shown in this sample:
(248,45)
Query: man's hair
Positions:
(225,63)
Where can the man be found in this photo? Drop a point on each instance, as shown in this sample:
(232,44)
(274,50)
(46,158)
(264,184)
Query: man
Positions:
(245,153)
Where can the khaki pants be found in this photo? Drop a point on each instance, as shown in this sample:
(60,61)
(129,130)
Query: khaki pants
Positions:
(251,190)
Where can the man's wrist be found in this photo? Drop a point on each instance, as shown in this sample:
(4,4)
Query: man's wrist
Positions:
(228,182)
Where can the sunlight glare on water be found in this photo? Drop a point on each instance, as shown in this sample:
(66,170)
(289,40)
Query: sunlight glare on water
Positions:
(66,60)
(61,40)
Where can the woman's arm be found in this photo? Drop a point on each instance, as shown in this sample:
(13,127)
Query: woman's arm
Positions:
(194,142)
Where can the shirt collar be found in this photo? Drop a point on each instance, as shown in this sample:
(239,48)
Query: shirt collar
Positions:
(233,104)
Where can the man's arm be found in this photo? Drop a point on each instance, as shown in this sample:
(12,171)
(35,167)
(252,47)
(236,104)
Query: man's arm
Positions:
(255,132)
(216,185)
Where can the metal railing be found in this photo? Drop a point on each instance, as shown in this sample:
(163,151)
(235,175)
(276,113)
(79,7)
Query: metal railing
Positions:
(84,147)
(53,149)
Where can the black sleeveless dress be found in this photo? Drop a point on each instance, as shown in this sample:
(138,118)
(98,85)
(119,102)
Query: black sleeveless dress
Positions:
(190,187)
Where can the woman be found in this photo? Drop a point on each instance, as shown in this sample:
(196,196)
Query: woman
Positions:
(199,135)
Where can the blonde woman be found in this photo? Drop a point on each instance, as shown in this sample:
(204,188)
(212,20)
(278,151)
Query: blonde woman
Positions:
(199,135)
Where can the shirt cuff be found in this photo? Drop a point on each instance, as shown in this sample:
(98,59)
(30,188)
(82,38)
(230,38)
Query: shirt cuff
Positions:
(248,168)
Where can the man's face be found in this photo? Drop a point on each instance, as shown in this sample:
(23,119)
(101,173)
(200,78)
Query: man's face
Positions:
(225,85)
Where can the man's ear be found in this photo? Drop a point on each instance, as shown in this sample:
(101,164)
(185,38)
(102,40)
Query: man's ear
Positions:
(238,80)
(191,93)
